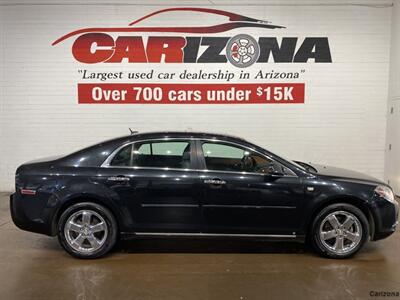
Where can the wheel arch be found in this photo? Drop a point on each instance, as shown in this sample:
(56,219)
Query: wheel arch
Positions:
(80,199)
(352,200)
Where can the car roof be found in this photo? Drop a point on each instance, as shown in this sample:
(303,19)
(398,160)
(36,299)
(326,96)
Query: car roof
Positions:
(187,134)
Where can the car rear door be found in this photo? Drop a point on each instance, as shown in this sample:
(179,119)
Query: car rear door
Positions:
(156,181)
(239,196)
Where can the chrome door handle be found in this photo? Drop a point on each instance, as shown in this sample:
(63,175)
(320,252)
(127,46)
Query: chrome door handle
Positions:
(215,181)
(118,178)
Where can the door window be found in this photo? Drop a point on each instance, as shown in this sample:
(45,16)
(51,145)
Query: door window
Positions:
(123,157)
(157,154)
(224,157)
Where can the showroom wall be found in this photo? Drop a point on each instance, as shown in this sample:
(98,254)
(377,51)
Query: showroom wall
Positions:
(392,167)
(341,120)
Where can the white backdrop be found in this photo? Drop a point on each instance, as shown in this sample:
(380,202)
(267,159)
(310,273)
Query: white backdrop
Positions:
(342,122)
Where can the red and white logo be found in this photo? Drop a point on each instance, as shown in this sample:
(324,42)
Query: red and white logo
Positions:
(115,45)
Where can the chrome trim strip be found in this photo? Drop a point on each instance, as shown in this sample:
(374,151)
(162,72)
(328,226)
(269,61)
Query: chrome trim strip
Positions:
(150,168)
(249,206)
(243,173)
(198,170)
(106,163)
(169,205)
(214,234)
(217,206)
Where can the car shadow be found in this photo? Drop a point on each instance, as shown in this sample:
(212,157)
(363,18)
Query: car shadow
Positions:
(156,245)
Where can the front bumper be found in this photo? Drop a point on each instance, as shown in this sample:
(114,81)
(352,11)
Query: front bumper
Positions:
(385,216)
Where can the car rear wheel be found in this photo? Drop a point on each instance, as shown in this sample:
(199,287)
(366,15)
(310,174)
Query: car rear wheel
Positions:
(339,231)
(87,230)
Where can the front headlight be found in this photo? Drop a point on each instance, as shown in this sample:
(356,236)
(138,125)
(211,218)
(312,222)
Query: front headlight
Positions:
(385,193)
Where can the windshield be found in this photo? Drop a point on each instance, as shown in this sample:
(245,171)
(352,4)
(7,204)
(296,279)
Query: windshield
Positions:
(297,164)
(308,167)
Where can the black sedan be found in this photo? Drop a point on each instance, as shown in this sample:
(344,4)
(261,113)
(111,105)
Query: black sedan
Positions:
(197,185)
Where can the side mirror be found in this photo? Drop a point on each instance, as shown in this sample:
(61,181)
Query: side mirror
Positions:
(275,169)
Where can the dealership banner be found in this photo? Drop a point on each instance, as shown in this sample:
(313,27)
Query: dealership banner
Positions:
(307,81)
(190,93)
(240,59)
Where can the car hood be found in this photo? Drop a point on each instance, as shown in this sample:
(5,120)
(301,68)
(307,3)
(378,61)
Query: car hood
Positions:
(345,174)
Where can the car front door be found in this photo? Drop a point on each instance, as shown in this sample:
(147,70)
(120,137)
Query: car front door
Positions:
(240,195)
(156,181)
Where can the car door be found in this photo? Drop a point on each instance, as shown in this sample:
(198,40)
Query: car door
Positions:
(157,184)
(240,195)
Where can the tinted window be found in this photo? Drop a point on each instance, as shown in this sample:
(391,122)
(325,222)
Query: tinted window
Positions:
(171,154)
(123,157)
(223,157)
(170,148)
(144,149)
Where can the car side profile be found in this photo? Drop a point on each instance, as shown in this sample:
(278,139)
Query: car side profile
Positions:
(233,21)
(197,184)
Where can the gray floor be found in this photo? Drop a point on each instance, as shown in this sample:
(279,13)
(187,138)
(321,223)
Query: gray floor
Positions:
(35,267)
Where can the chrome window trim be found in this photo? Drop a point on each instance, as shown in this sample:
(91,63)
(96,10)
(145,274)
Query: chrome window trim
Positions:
(204,171)
(109,159)
(248,148)
(106,163)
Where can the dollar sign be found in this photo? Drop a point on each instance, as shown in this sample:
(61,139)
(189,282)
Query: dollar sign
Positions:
(259,91)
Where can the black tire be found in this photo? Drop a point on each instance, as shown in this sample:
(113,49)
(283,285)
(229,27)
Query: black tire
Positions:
(322,246)
(110,234)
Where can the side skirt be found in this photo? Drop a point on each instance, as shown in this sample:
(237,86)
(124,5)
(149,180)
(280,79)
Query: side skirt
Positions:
(189,235)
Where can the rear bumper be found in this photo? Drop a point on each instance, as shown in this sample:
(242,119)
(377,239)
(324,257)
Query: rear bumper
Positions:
(24,222)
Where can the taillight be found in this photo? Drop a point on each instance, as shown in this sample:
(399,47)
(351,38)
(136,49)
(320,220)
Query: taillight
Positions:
(28,192)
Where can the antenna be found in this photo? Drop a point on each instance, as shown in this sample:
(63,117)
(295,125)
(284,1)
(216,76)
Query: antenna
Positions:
(132,131)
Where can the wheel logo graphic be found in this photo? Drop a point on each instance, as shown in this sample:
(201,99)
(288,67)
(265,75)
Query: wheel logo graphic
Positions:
(242,50)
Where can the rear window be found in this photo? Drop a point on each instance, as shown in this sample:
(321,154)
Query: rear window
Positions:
(163,154)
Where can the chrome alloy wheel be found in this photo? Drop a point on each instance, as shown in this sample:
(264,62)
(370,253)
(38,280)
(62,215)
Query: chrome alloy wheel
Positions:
(340,232)
(85,231)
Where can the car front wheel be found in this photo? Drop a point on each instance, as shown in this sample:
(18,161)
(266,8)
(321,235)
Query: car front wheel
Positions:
(339,231)
(87,230)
